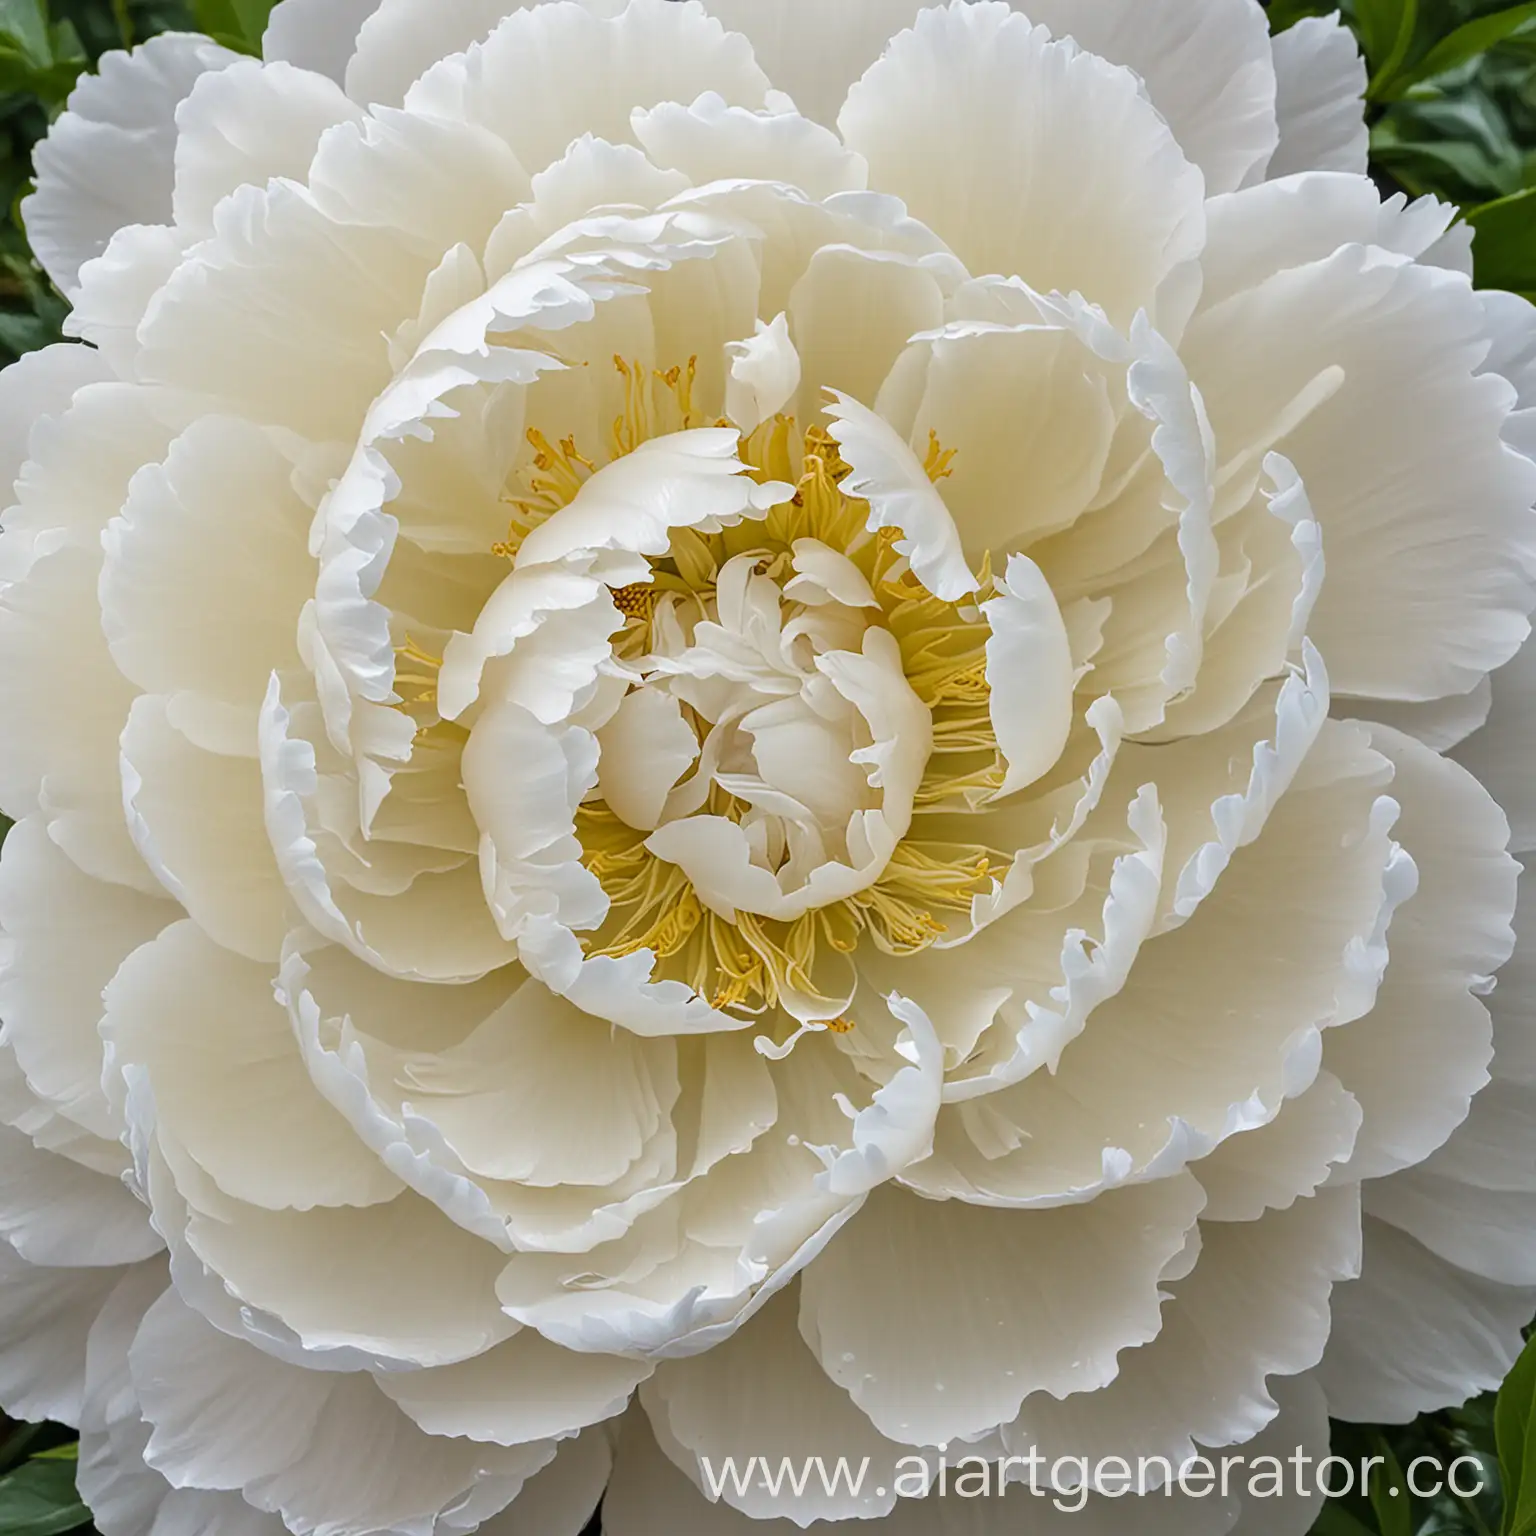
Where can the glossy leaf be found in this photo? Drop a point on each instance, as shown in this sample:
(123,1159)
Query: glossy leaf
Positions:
(1514,1427)
(237,24)
(1464,44)
(1504,252)
(1388,1492)
(39,1499)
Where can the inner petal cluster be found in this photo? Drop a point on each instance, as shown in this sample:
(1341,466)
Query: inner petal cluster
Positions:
(784,711)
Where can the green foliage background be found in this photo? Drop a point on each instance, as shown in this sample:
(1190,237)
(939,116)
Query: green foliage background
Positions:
(1452,105)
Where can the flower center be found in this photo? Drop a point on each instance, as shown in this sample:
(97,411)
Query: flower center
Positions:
(796,712)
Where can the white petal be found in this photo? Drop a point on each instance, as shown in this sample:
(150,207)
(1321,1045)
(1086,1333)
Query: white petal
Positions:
(1029,670)
(1270,1167)
(1415,1061)
(886,474)
(645,749)
(402,39)
(1428,610)
(649,1496)
(66,935)
(559,1499)
(1206,66)
(1011,1302)
(51,641)
(979,123)
(765,374)
(1029,412)
(107,161)
(278,266)
(852,314)
(44,1319)
(316,34)
(39,384)
(709,141)
(523,1390)
(54,1211)
(1254,1311)
(224,500)
(242,125)
(763,1394)
(196,817)
(1320,82)
(128,1498)
(850,36)
(546,75)
(228,1079)
(325,1449)
(1501,753)
(1414,1333)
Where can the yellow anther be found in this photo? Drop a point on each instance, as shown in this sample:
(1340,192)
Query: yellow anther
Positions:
(937,465)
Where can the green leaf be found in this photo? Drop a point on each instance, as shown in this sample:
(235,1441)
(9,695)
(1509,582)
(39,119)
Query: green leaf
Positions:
(1388,1492)
(39,1499)
(1284,14)
(1464,44)
(24,31)
(1384,76)
(1505,256)
(1514,1425)
(1335,1520)
(1385,28)
(235,23)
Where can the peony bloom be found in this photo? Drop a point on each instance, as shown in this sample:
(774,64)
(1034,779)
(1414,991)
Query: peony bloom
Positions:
(754,731)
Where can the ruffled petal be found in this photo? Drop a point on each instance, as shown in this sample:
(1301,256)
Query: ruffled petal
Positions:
(319,35)
(1320,81)
(108,160)
(976,120)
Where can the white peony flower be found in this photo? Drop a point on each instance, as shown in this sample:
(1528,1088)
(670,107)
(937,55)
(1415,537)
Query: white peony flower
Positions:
(730,733)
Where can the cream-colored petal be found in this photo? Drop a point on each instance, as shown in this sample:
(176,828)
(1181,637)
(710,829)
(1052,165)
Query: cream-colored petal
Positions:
(762,1393)
(560,1499)
(1410,436)
(940,1318)
(548,74)
(1028,156)
(223,501)
(66,935)
(196,817)
(107,161)
(1269,1168)
(710,141)
(524,1390)
(1206,66)
(55,1211)
(1414,1333)
(1254,1311)
(402,39)
(1030,412)
(326,1450)
(1029,670)
(228,1078)
(316,34)
(44,1320)
(851,315)
(1417,1058)
(1320,81)
(850,36)
(242,125)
